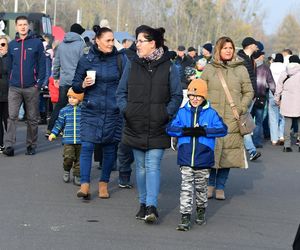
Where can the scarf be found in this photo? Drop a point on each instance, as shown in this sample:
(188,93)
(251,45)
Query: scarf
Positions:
(156,54)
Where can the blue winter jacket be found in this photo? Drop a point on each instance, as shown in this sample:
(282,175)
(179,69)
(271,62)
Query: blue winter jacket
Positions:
(68,122)
(197,152)
(101,120)
(26,62)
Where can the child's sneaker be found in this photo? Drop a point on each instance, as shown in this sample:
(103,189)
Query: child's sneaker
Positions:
(66,176)
(125,186)
(1,149)
(76,180)
(200,219)
(185,224)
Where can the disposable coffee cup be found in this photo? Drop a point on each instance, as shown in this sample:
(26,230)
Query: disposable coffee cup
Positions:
(91,73)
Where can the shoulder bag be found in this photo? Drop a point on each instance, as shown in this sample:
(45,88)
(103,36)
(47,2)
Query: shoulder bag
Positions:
(245,121)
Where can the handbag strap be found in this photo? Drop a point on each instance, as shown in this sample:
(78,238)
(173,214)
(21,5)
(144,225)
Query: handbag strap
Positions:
(228,95)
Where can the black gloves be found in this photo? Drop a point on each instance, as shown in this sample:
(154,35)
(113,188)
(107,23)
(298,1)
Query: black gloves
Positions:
(195,132)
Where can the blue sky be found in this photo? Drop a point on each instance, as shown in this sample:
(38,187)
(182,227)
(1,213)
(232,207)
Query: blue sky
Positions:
(275,11)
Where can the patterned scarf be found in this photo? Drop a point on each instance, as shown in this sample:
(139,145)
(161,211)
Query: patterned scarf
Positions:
(157,53)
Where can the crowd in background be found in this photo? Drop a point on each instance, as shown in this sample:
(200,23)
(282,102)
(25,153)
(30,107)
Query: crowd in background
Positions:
(123,105)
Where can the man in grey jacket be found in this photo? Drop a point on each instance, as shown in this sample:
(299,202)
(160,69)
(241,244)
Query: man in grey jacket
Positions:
(64,66)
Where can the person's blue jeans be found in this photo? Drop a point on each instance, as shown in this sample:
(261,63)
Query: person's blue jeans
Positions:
(218,177)
(124,161)
(258,115)
(86,156)
(148,174)
(248,142)
(276,120)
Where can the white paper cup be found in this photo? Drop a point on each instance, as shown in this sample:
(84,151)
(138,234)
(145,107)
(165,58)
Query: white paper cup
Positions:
(91,73)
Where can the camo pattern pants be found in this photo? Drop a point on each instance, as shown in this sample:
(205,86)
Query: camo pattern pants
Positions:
(71,158)
(193,180)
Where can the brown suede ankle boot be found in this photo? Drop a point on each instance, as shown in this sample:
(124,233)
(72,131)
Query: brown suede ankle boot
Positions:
(103,192)
(84,191)
(210,192)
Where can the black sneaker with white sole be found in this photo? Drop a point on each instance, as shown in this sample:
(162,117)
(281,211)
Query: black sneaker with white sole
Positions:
(141,213)
(254,156)
(151,214)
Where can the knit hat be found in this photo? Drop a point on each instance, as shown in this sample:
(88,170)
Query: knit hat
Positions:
(278,58)
(260,46)
(208,47)
(248,41)
(189,71)
(190,49)
(79,97)
(77,28)
(181,48)
(294,59)
(197,87)
(257,54)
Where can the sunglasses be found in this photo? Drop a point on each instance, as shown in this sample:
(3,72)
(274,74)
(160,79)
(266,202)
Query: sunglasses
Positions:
(3,44)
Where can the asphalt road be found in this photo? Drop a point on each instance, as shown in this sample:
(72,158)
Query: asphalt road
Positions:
(39,211)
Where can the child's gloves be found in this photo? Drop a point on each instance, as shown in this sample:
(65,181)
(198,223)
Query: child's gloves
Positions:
(51,137)
(194,132)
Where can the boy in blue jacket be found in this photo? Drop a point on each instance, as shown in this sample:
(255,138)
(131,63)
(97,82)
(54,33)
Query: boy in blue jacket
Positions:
(68,121)
(196,125)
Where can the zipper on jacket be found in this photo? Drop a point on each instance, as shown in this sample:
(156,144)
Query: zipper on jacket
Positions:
(74,117)
(194,140)
(21,65)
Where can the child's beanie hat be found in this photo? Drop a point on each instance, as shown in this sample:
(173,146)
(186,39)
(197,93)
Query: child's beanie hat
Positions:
(77,96)
(197,87)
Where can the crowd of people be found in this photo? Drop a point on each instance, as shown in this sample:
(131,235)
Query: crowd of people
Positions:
(131,104)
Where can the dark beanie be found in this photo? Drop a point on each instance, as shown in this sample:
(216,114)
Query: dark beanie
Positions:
(77,28)
(248,41)
(208,47)
(257,54)
(294,59)
(278,58)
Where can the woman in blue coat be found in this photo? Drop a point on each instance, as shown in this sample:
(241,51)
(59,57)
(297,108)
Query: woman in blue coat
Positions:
(101,121)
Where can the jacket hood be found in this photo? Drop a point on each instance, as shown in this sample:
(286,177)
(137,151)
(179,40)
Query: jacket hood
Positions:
(229,64)
(293,68)
(72,37)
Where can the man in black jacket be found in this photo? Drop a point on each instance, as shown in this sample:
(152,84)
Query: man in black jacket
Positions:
(250,45)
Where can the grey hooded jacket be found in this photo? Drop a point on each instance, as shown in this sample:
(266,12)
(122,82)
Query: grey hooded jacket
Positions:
(67,57)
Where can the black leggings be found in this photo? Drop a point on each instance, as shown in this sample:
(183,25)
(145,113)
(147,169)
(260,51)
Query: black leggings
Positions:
(3,120)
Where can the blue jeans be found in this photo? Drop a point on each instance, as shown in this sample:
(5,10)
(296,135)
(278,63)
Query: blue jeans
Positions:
(276,120)
(248,142)
(218,177)
(86,155)
(124,161)
(258,115)
(148,174)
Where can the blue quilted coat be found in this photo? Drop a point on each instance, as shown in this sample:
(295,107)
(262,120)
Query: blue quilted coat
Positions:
(101,121)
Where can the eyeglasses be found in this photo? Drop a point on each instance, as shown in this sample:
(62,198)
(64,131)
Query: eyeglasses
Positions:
(197,97)
(3,44)
(141,41)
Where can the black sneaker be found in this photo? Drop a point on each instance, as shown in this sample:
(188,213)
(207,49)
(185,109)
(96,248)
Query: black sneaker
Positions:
(151,214)
(287,149)
(9,151)
(142,212)
(185,224)
(30,151)
(254,156)
(1,149)
(200,219)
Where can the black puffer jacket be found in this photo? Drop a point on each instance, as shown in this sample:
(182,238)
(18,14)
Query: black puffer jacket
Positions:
(251,68)
(3,79)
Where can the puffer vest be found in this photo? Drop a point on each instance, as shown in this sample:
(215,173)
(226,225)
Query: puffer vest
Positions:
(146,116)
